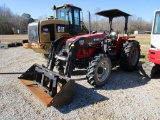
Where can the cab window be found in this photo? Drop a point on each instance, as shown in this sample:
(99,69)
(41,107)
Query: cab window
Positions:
(76,16)
(156,29)
(62,14)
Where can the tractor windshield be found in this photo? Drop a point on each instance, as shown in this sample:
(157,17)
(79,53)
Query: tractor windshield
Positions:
(156,28)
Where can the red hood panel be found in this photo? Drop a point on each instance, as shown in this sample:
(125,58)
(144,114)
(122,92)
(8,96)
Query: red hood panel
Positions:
(97,35)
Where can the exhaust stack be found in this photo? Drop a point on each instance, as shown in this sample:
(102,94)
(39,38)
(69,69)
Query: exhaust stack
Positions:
(55,11)
(89,15)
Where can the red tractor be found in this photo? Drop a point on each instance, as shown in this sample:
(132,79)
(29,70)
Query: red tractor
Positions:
(149,69)
(97,52)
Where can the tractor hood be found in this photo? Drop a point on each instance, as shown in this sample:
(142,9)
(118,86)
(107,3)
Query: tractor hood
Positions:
(87,36)
(84,40)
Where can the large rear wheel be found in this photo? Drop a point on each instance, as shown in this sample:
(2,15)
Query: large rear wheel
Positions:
(98,71)
(129,55)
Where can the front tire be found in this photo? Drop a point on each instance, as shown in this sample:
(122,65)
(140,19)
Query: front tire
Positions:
(98,71)
(129,55)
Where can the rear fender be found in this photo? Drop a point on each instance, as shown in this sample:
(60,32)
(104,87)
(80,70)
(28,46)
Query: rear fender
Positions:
(120,42)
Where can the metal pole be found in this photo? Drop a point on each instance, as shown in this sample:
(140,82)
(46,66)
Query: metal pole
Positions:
(82,16)
(126,25)
(89,22)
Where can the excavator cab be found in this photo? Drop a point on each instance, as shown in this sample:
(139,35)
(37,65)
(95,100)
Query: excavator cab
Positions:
(70,13)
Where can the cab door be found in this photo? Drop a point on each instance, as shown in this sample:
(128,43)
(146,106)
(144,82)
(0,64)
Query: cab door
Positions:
(155,36)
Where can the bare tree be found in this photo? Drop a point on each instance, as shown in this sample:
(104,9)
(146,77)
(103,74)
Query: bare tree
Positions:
(10,23)
(96,17)
(5,22)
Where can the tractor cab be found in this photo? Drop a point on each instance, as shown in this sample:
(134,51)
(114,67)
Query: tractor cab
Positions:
(68,12)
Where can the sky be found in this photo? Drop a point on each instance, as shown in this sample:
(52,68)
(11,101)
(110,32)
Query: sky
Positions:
(40,8)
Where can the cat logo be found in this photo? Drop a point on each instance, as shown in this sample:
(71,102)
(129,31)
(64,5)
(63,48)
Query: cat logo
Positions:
(61,29)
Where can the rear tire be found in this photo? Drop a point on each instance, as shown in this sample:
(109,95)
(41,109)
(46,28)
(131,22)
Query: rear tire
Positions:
(129,55)
(98,71)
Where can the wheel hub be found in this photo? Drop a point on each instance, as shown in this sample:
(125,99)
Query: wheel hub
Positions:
(100,70)
(103,71)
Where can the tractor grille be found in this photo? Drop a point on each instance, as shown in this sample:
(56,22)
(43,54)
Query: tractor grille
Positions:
(33,32)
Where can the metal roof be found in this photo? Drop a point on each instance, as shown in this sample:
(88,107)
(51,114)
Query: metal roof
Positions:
(68,5)
(112,13)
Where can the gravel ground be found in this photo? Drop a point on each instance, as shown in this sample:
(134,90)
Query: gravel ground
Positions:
(125,96)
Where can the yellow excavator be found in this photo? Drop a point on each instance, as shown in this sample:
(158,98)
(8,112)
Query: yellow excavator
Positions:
(65,23)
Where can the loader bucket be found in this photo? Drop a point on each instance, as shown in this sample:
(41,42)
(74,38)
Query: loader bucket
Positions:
(51,88)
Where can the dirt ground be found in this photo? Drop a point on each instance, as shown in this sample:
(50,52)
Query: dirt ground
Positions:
(127,95)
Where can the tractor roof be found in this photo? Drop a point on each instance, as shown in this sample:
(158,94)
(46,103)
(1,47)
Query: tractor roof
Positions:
(112,13)
(68,5)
